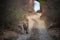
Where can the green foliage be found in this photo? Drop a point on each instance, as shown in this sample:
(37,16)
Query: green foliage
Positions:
(43,3)
(20,14)
(14,15)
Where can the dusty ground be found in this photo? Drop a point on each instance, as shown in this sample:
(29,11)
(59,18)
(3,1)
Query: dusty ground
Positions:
(37,29)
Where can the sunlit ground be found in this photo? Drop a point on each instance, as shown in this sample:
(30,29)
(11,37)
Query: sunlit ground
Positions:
(37,23)
(36,19)
(36,28)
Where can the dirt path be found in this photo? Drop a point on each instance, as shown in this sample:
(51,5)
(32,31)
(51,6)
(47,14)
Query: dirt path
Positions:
(37,29)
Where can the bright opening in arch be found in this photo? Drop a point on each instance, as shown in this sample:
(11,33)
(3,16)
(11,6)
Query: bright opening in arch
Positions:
(36,6)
